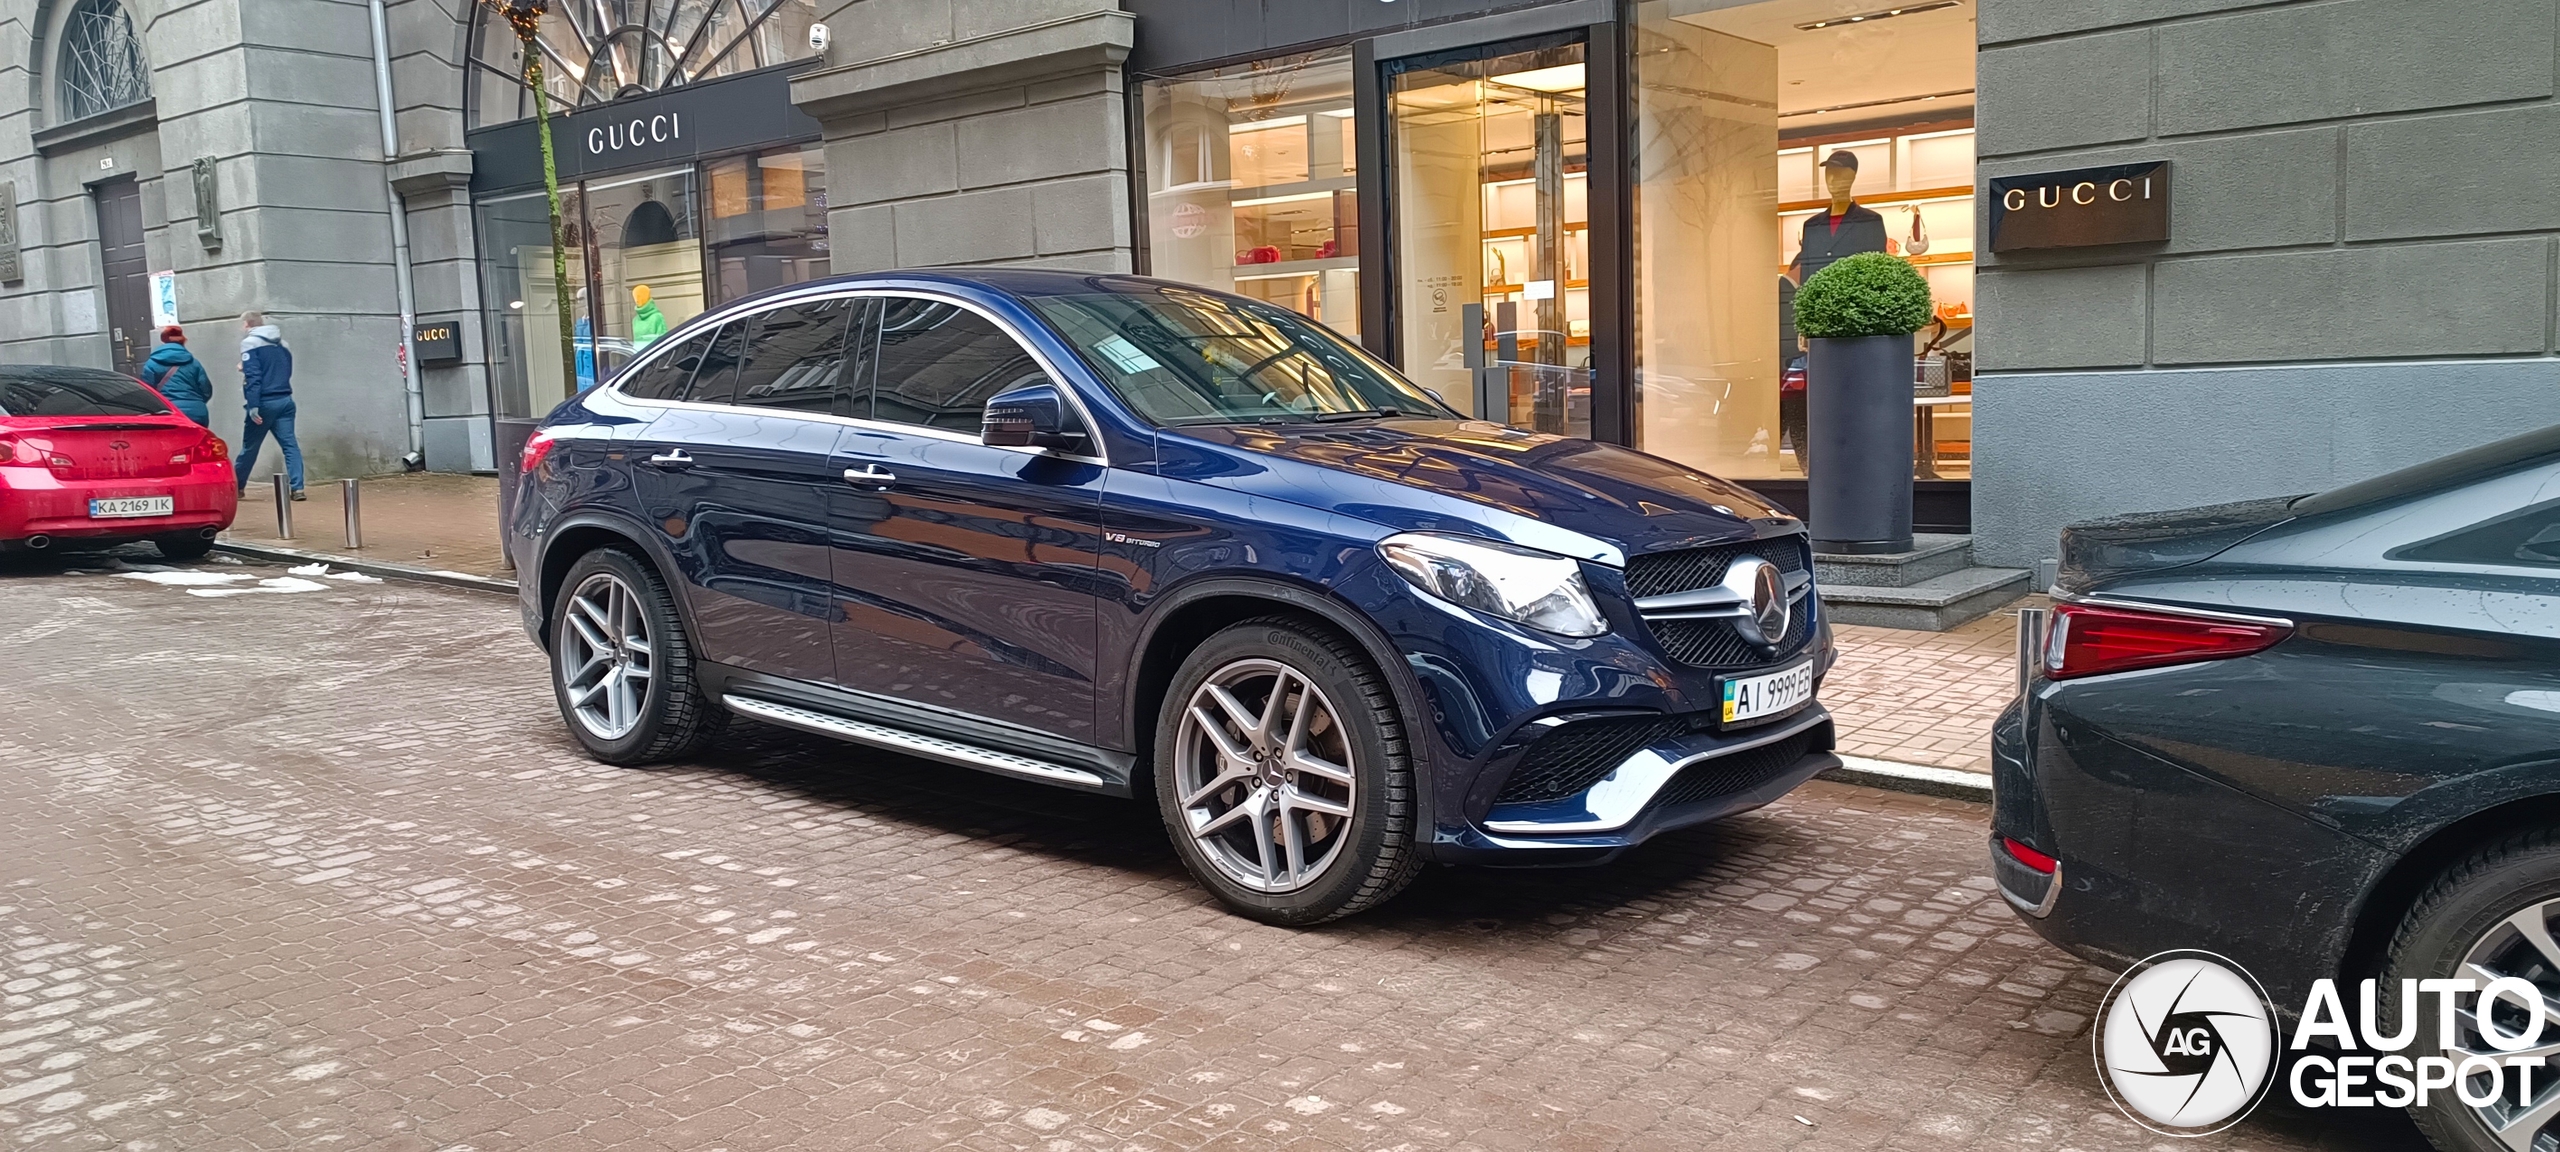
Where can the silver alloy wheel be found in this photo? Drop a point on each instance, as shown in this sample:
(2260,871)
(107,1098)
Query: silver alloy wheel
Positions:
(606,656)
(2520,946)
(1263,772)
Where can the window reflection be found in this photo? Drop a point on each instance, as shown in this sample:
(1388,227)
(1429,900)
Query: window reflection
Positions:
(1251,184)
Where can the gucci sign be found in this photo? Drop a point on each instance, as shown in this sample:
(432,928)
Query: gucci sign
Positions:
(616,135)
(2121,204)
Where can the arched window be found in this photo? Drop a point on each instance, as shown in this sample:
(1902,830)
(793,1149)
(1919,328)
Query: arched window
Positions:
(595,51)
(101,68)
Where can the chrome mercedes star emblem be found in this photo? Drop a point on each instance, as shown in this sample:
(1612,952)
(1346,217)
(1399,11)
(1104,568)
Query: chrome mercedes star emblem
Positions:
(1764,593)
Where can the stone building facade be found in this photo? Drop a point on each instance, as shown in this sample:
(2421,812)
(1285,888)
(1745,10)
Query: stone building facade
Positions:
(1581,215)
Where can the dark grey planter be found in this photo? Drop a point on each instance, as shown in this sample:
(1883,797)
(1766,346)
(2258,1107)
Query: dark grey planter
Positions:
(1858,415)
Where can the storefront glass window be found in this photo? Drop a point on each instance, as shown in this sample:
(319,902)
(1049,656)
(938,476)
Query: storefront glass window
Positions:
(644,248)
(1250,184)
(1765,145)
(637,250)
(524,322)
(767,225)
(1493,235)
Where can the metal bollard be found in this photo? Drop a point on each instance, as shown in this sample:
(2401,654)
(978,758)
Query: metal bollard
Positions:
(2031,641)
(284,508)
(348,499)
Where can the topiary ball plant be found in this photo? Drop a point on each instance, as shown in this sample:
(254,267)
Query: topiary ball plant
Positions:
(1869,294)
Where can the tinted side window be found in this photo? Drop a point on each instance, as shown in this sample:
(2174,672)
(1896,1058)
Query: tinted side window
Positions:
(2530,537)
(716,382)
(938,363)
(665,378)
(39,390)
(796,360)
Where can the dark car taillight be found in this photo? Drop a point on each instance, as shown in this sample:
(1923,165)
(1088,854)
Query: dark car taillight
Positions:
(2093,639)
(14,449)
(536,447)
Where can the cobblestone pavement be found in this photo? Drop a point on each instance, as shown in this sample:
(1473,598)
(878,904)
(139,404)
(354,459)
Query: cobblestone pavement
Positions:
(318,869)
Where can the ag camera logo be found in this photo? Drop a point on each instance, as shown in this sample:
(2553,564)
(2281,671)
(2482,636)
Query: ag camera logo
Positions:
(2186,1043)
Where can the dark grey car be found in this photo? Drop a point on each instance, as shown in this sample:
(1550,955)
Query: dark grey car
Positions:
(2320,736)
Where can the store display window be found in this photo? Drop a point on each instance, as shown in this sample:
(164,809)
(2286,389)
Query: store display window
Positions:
(1770,140)
(1493,249)
(1252,184)
(767,224)
(646,251)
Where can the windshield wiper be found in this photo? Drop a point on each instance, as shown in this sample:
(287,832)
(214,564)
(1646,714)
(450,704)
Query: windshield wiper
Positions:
(1356,414)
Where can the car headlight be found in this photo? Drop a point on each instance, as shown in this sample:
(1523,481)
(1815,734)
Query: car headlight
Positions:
(1539,589)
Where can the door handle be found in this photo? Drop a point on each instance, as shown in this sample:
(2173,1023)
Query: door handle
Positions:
(871,474)
(674,461)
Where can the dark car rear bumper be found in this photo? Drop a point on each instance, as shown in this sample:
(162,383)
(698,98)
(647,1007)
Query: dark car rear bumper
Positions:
(2154,857)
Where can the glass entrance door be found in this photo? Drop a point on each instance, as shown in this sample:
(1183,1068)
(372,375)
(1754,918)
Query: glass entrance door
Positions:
(1492,230)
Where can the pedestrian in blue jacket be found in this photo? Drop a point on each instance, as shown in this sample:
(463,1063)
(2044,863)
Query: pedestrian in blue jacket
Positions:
(179,377)
(266,393)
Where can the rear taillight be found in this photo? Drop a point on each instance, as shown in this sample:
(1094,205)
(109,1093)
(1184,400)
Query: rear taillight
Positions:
(2092,639)
(208,450)
(14,450)
(536,447)
(2029,856)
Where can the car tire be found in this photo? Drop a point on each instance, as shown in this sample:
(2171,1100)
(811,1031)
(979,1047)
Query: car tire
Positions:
(615,622)
(1271,839)
(182,548)
(2465,917)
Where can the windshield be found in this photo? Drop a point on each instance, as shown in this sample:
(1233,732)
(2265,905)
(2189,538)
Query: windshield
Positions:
(1181,356)
(43,390)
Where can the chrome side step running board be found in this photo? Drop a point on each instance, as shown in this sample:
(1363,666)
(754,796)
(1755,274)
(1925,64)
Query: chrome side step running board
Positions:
(914,744)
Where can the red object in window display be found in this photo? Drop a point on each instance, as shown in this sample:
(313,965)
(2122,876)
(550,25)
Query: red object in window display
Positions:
(1266,254)
(1328,250)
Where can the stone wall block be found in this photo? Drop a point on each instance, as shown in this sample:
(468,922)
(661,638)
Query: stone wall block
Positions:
(970,228)
(2064,93)
(2061,317)
(1039,143)
(1084,214)
(2468,298)
(2451,175)
(895,165)
(2301,62)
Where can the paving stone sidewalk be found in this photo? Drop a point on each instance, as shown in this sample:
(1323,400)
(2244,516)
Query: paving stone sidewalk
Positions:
(1913,697)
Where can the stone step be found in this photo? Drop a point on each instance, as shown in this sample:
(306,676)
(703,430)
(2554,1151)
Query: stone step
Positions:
(1932,555)
(1933,605)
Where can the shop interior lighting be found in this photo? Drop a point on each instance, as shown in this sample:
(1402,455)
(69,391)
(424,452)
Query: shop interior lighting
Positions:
(1259,125)
(1561,78)
(1879,14)
(1291,198)
(1949,94)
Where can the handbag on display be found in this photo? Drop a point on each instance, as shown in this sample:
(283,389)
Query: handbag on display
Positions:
(1918,242)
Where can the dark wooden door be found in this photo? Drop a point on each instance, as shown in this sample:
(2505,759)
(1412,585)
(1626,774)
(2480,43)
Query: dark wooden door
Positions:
(128,273)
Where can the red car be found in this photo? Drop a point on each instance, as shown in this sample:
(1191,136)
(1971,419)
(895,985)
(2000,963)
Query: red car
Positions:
(92,457)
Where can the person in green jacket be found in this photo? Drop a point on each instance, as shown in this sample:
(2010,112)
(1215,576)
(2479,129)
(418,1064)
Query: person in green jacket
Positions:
(648,323)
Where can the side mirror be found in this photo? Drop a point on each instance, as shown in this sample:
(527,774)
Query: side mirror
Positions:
(1029,417)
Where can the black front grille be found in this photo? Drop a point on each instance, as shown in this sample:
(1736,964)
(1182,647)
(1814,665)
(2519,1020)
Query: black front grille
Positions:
(1575,756)
(1738,772)
(1716,644)
(1689,569)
